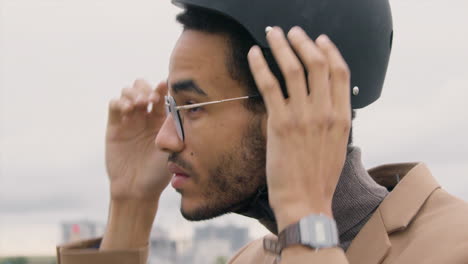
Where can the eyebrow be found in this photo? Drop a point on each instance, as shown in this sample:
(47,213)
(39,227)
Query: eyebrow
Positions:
(187,86)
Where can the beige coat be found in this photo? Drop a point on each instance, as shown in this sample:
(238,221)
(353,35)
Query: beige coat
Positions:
(418,222)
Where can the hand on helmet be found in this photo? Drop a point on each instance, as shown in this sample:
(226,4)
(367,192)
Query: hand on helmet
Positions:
(307,133)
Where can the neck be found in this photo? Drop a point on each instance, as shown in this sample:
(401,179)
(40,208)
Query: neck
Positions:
(356,197)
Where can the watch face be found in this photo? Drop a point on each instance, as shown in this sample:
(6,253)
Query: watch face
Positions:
(318,231)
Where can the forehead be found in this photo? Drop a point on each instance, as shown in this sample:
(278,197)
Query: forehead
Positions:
(201,57)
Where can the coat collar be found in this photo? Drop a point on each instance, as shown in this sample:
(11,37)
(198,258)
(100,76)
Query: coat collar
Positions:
(411,185)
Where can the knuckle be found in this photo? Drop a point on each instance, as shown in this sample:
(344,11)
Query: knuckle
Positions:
(294,69)
(113,103)
(269,85)
(297,123)
(289,124)
(344,122)
(281,124)
(307,45)
(336,121)
(139,83)
(125,105)
(332,119)
(126,91)
(141,86)
(341,71)
(323,120)
(318,61)
(122,103)
(278,129)
(328,121)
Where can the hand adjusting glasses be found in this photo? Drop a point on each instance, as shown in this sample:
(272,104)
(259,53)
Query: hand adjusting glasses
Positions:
(173,109)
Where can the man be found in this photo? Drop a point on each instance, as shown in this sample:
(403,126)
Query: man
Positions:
(259,123)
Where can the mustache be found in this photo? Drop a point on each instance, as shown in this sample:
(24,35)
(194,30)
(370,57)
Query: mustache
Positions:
(176,159)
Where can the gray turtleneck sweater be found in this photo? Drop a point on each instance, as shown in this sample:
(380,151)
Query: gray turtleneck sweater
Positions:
(356,197)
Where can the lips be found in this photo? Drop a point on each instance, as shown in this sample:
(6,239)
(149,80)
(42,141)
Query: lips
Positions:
(180,177)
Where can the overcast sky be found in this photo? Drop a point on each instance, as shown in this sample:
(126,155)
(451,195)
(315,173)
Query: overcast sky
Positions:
(63,60)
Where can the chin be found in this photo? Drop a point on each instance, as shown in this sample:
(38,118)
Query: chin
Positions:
(200,209)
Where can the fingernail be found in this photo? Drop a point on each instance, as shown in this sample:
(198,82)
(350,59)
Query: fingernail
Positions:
(295,30)
(254,50)
(149,108)
(272,30)
(323,38)
(277,30)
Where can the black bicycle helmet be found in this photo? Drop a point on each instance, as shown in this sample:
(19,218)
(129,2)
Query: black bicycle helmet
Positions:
(361,29)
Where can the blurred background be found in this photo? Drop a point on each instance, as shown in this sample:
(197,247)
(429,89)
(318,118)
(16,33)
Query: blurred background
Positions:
(63,60)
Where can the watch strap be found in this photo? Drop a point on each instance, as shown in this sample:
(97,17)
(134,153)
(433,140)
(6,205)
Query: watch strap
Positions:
(290,236)
(314,231)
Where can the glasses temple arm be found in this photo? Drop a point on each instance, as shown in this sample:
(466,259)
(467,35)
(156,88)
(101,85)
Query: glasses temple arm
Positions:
(213,102)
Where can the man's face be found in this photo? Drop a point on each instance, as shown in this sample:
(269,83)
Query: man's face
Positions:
(221,162)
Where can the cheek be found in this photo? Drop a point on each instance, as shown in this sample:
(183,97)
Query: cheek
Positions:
(205,156)
(209,138)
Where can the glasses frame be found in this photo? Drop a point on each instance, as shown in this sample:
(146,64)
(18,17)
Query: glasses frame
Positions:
(173,109)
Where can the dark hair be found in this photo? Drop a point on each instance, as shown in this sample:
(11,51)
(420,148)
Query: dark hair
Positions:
(240,42)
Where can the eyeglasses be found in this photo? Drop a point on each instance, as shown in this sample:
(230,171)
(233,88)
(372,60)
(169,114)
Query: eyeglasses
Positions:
(173,109)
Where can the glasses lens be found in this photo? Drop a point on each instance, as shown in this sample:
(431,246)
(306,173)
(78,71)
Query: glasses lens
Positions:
(171,108)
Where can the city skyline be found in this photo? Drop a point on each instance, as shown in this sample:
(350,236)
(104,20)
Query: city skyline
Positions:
(165,249)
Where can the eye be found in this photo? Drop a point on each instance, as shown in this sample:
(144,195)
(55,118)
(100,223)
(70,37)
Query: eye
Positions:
(194,110)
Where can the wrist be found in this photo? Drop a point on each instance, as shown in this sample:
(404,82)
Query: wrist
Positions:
(129,224)
(287,215)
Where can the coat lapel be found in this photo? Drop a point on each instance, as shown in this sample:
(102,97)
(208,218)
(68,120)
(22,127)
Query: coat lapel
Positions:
(404,202)
(396,212)
(372,244)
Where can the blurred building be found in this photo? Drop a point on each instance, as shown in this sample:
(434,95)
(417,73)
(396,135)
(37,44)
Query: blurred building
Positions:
(163,250)
(211,243)
(83,229)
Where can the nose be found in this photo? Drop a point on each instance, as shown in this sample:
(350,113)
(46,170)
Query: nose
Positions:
(167,139)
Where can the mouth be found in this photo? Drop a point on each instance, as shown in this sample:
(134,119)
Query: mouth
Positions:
(179,176)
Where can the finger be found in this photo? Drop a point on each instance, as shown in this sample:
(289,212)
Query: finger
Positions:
(340,75)
(138,94)
(126,106)
(129,94)
(267,83)
(289,64)
(157,98)
(143,91)
(115,114)
(118,108)
(316,64)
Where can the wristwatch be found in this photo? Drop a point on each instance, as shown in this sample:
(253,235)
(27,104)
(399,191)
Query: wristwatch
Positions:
(314,231)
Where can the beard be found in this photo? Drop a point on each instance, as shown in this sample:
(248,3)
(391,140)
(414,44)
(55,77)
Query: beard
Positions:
(236,178)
